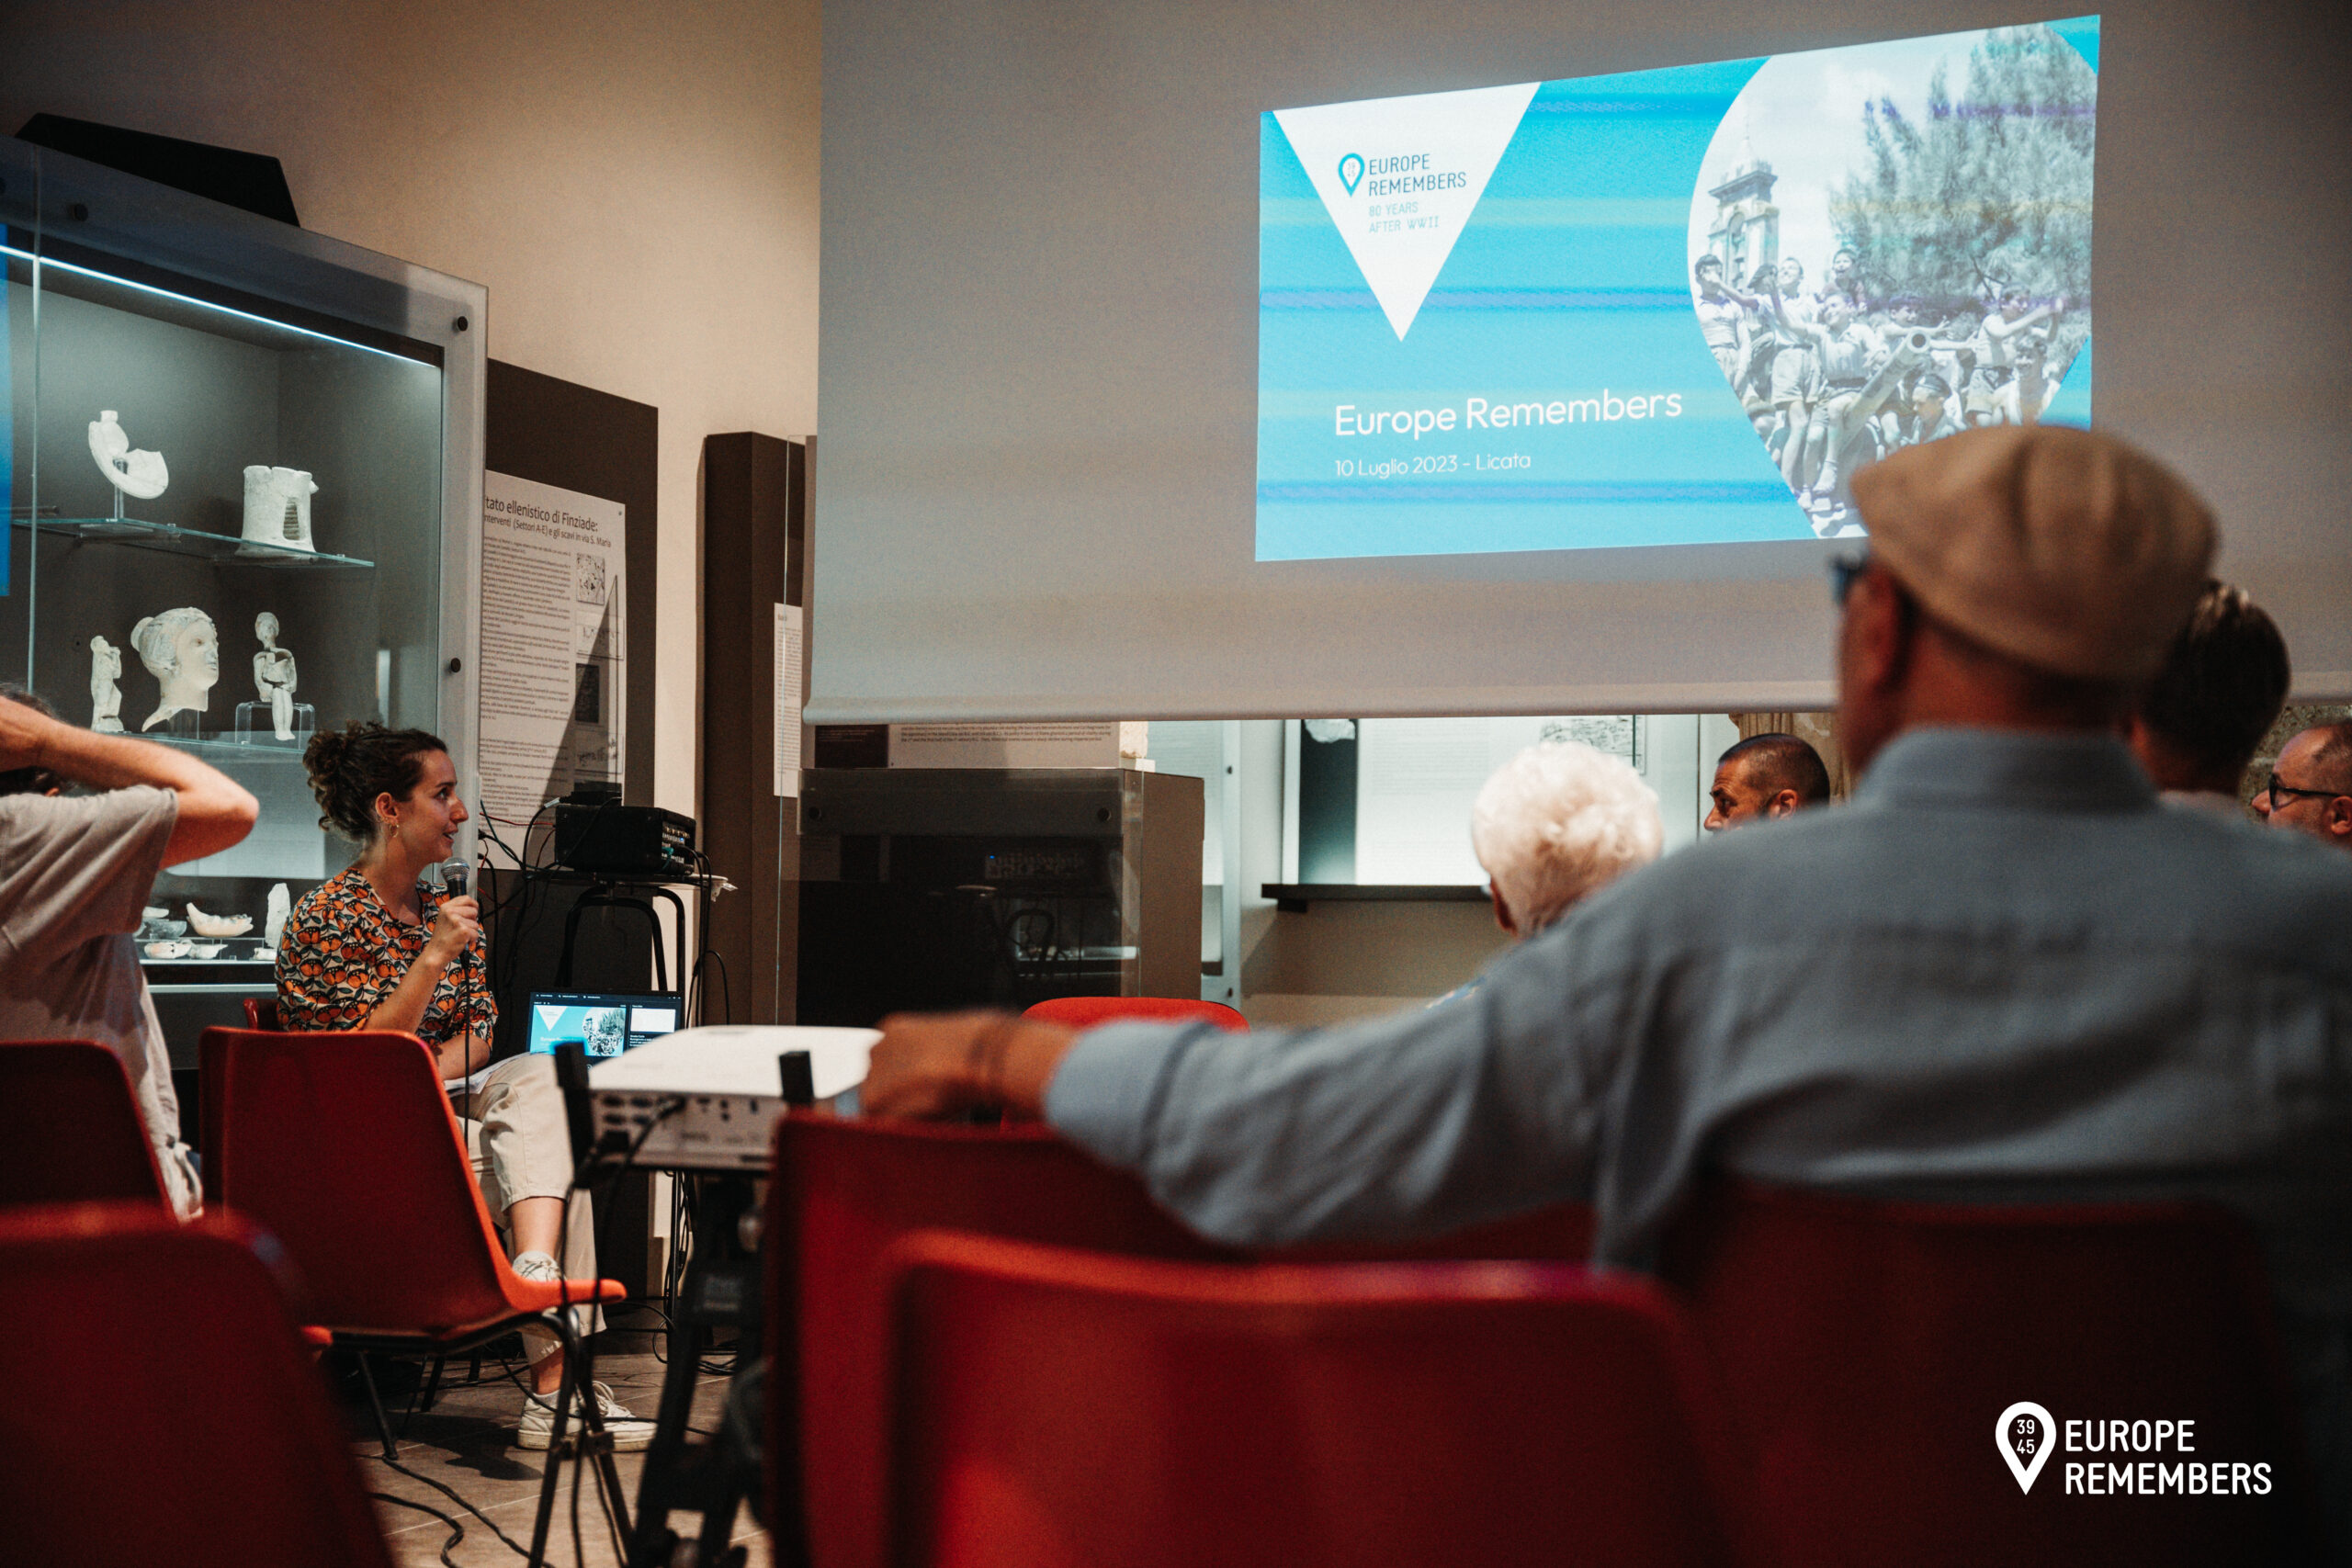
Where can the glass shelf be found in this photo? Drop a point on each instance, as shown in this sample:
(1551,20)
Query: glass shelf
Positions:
(171,539)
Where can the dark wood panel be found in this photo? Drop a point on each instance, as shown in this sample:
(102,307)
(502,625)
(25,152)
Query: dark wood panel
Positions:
(754,490)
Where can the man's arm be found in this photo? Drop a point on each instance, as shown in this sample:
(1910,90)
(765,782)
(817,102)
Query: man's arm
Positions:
(1410,1124)
(934,1065)
(215,811)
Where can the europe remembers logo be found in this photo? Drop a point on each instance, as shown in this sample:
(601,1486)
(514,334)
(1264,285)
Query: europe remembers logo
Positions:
(2025,1435)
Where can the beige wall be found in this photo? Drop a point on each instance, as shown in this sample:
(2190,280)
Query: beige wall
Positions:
(635,185)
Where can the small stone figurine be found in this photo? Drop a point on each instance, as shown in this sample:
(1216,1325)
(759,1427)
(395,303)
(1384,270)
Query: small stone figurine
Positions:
(274,676)
(105,697)
(273,925)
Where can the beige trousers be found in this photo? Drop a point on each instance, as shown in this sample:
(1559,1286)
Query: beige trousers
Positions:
(521,1148)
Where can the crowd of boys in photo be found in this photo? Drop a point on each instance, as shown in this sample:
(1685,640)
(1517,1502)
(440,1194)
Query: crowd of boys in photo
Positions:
(1839,377)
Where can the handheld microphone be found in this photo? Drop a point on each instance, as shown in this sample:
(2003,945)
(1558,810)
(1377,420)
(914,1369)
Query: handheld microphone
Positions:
(453,873)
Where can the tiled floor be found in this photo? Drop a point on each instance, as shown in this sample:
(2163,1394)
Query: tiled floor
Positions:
(466,1443)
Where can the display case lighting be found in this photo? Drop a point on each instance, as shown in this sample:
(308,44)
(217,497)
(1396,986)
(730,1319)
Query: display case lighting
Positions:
(201,304)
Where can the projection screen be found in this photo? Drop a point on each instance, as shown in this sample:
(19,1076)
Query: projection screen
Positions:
(1258,360)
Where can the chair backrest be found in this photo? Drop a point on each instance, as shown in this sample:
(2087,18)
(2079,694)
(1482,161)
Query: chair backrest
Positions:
(1870,1350)
(261,1012)
(1054,1409)
(344,1146)
(843,1191)
(74,1132)
(1085,1012)
(167,1412)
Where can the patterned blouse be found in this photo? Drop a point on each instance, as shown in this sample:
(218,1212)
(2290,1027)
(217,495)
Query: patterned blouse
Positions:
(343,952)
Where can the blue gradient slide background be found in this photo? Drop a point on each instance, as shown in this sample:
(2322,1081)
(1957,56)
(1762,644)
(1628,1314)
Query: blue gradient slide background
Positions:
(1569,279)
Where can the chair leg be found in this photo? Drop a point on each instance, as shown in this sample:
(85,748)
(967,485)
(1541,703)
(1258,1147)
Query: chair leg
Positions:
(432,1383)
(376,1403)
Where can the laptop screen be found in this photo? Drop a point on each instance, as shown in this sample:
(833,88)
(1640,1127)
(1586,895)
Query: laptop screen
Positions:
(605,1023)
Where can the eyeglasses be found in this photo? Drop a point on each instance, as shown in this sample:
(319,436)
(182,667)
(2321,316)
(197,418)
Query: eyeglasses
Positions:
(2274,789)
(1843,570)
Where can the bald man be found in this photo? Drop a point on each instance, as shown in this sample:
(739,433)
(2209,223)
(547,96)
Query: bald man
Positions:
(2310,786)
(1764,777)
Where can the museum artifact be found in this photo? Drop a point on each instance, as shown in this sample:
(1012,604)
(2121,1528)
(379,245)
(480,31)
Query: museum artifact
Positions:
(273,925)
(169,949)
(218,925)
(278,507)
(105,697)
(141,474)
(182,649)
(274,676)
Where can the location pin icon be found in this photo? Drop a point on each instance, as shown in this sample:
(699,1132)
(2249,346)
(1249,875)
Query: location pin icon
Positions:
(1350,172)
(2025,1435)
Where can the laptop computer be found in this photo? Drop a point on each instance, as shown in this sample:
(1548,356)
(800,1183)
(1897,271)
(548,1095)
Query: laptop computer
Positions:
(605,1022)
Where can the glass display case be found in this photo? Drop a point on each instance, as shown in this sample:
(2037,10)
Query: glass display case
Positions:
(243,465)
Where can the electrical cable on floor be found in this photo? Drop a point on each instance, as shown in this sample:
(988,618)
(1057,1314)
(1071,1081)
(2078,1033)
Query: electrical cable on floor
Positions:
(456,1529)
(452,1494)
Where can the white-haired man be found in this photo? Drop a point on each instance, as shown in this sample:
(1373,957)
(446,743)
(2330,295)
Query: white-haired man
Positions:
(1557,823)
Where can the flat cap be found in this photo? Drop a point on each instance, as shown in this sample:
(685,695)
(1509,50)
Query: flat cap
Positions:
(2066,549)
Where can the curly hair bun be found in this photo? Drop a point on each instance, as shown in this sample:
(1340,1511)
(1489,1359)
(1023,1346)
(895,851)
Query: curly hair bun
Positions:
(351,766)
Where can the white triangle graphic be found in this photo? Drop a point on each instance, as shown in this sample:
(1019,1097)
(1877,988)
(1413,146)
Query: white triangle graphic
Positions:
(549,1018)
(1400,177)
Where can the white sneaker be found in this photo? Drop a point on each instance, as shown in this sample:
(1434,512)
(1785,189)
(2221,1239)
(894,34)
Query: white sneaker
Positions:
(535,1429)
(538,1266)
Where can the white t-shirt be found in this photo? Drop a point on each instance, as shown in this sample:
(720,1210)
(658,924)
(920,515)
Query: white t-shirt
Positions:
(74,872)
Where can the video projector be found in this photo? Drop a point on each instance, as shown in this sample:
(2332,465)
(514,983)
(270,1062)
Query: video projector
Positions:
(707,1098)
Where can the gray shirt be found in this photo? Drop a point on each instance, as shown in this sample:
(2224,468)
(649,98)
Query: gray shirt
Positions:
(74,873)
(2001,973)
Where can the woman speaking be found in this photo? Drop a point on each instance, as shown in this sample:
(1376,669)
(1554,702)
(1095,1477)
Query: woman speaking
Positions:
(376,947)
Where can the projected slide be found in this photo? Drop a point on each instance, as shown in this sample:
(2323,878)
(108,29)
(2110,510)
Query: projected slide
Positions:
(1674,307)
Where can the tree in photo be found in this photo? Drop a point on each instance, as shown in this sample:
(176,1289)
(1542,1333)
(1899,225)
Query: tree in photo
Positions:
(1991,194)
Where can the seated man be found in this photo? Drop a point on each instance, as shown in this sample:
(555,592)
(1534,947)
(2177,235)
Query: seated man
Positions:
(2310,788)
(74,873)
(2200,720)
(1764,777)
(2003,971)
(1555,825)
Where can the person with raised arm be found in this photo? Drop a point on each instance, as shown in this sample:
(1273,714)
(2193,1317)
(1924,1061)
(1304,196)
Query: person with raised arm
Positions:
(75,874)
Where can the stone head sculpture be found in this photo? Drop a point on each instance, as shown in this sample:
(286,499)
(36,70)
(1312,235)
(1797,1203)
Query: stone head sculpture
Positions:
(182,649)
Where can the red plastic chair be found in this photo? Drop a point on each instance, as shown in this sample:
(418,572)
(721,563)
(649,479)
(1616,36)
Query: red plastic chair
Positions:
(1870,1349)
(345,1148)
(1085,1012)
(1061,1409)
(261,1012)
(165,1410)
(74,1131)
(844,1191)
